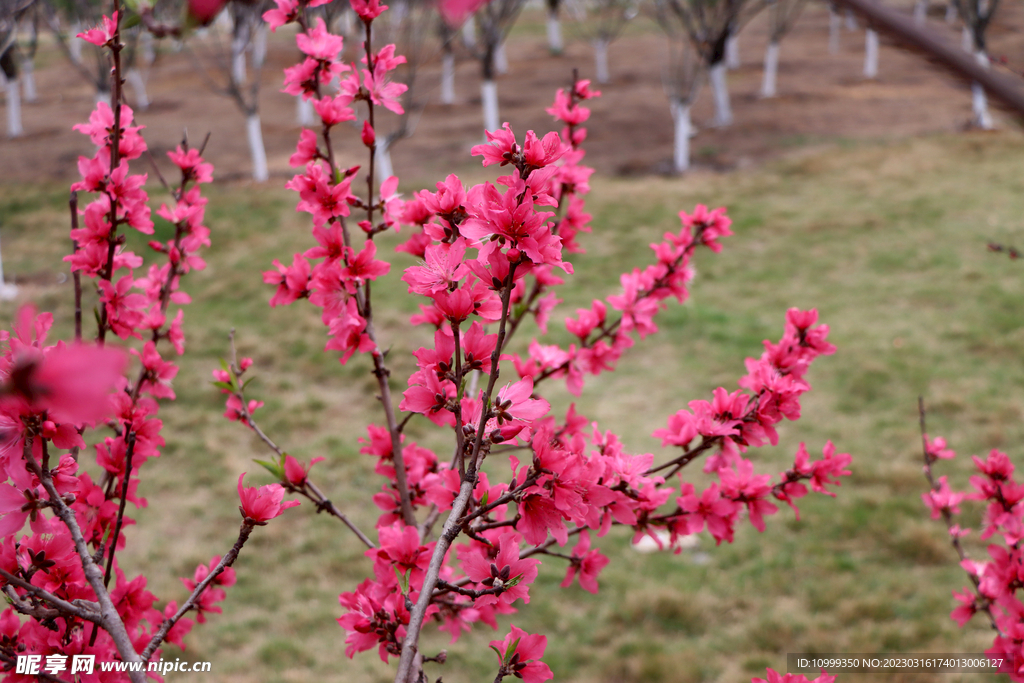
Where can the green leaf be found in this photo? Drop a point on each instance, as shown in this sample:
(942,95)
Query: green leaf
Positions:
(131,20)
(275,468)
(513,581)
(247,383)
(483,500)
(511,652)
(501,657)
(220,384)
(403,580)
(224,364)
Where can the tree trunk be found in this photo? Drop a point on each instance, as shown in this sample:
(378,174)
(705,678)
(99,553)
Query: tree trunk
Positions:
(147,48)
(950,13)
(920,11)
(979,102)
(683,130)
(469,32)
(305,115)
(28,79)
(851,20)
(555,34)
(834,24)
(966,40)
(601,61)
(771,69)
(448,78)
(723,111)
(732,52)
(254,133)
(238,42)
(500,59)
(871,54)
(75,43)
(14,128)
(7,291)
(489,95)
(134,78)
(382,161)
(259,46)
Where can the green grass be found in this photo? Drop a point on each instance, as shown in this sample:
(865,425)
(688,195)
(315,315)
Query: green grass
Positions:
(887,241)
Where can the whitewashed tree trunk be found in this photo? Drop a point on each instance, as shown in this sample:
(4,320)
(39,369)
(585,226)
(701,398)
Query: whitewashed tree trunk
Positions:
(771,69)
(871,54)
(720,90)
(966,40)
(851,20)
(683,129)
(601,61)
(951,13)
(238,42)
(920,11)
(134,78)
(75,43)
(448,78)
(14,128)
(979,102)
(7,291)
(254,133)
(500,59)
(28,79)
(259,45)
(555,34)
(382,161)
(469,32)
(489,95)
(148,49)
(834,24)
(399,11)
(305,115)
(732,52)
(223,21)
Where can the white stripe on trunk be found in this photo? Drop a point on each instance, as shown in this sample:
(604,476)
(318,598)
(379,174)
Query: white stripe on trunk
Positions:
(682,127)
(138,84)
(254,133)
(555,34)
(732,52)
(448,78)
(489,95)
(14,128)
(871,54)
(601,60)
(771,70)
(28,79)
(720,90)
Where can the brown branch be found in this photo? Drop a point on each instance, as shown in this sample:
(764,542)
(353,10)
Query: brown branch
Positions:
(225,562)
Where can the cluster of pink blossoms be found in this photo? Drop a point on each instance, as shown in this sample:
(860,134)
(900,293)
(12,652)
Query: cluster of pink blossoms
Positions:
(489,257)
(64,571)
(995,583)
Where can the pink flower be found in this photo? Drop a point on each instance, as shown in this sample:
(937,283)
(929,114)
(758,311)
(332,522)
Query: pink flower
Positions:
(368,10)
(101,36)
(587,562)
(519,655)
(506,571)
(295,472)
(72,383)
(262,504)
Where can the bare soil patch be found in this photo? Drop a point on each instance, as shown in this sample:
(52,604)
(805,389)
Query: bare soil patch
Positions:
(823,100)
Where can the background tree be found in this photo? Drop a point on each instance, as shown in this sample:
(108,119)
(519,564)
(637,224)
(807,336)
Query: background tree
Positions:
(782,15)
(684,74)
(977,15)
(709,23)
(602,22)
(248,34)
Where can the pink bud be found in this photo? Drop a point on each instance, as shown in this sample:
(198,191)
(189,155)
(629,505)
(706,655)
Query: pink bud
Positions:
(369,138)
(205,11)
(513,255)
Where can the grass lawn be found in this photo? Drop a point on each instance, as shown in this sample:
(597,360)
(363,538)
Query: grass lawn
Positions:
(886,241)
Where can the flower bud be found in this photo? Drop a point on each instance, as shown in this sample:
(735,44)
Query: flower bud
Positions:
(369,137)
